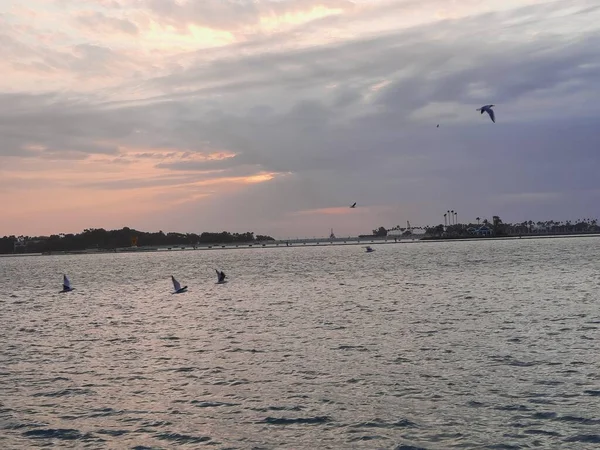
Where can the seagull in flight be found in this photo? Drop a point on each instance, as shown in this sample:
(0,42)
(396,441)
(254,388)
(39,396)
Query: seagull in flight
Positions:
(488,109)
(67,284)
(221,277)
(353,205)
(177,286)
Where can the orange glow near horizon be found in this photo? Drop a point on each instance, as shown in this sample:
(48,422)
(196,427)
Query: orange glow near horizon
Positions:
(328,211)
(126,185)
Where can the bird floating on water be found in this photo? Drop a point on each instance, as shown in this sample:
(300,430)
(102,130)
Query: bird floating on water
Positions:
(488,109)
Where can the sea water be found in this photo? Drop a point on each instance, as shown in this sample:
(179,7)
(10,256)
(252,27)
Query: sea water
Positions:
(491,344)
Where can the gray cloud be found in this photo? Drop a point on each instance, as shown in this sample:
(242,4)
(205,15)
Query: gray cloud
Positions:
(315,113)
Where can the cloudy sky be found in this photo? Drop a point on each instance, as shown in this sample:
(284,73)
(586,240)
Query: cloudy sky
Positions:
(273,116)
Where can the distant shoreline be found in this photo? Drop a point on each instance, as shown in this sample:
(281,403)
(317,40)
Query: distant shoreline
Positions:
(294,243)
(504,238)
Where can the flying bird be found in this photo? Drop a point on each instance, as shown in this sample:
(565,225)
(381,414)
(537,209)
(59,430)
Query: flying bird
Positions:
(221,277)
(67,285)
(177,286)
(353,205)
(488,109)
(438,125)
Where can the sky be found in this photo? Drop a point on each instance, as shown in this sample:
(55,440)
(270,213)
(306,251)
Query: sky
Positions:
(273,116)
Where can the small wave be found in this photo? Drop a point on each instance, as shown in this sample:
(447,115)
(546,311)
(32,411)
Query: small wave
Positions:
(592,392)
(400,360)
(113,432)
(104,412)
(512,408)
(279,408)
(249,350)
(55,379)
(64,393)
(544,415)
(541,401)
(591,438)
(18,426)
(580,420)
(548,383)
(378,423)
(542,432)
(201,404)
(365,438)
(58,433)
(354,380)
(503,447)
(359,348)
(299,420)
(474,404)
(408,447)
(156,423)
(182,438)
(510,361)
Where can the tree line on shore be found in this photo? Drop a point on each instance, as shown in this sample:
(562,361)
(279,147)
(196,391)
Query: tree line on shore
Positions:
(496,227)
(101,239)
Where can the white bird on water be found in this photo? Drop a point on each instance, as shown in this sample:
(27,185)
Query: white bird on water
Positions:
(488,109)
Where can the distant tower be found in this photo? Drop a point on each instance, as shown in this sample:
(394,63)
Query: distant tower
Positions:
(332,236)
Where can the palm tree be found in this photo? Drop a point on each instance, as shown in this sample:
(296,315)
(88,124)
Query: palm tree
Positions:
(456,218)
(452,216)
(477,219)
(445,224)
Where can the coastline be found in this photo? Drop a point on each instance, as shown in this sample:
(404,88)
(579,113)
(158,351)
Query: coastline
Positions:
(295,243)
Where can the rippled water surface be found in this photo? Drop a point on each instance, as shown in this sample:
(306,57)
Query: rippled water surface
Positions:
(489,344)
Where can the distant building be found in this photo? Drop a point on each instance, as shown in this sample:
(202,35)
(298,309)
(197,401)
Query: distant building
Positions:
(19,245)
(483,231)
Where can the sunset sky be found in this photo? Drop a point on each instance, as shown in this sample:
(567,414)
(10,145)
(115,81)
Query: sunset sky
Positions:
(274,116)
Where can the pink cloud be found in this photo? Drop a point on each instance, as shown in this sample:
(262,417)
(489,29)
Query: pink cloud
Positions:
(72,191)
(101,23)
